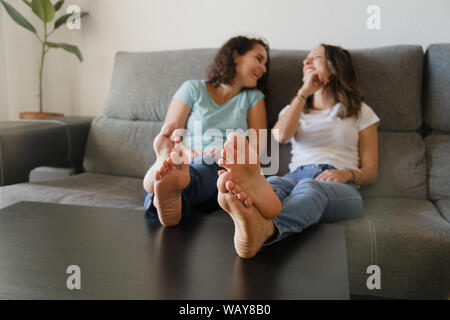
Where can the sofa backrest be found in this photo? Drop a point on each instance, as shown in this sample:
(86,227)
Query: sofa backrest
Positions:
(143,84)
(436,100)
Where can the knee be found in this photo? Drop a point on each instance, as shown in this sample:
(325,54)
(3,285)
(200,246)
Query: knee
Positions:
(308,186)
(281,181)
(308,183)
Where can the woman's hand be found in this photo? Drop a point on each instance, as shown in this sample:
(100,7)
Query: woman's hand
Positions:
(342,176)
(312,82)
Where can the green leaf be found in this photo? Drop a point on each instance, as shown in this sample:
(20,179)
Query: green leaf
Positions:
(44,9)
(63,19)
(28,3)
(17,17)
(58,5)
(68,47)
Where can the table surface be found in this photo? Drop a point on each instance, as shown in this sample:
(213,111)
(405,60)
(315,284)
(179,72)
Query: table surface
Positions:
(124,254)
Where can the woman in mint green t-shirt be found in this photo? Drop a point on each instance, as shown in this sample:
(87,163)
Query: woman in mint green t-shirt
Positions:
(231,99)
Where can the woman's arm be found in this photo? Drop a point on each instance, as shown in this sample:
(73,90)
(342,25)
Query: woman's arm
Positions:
(287,124)
(178,112)
(256,120)
(368,154)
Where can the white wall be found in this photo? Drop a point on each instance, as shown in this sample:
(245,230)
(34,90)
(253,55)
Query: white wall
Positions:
(4,106)
(153,25)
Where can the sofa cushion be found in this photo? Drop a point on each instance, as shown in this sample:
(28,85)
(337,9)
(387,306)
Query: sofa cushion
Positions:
(143,84)
(444,208)
(438,158)
(408,239)
(402,167)
(84,189)
(436,86)
(121,147)
(390,77)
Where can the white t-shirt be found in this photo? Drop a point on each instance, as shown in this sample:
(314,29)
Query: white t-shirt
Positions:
(323,138)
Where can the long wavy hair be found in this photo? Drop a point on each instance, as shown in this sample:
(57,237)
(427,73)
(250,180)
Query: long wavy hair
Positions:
(223,68)
(342,86)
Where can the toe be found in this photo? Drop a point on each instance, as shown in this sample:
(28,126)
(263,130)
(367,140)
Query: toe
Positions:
(177,135)
(167,166)
(229,151)
(229,185)
(176,157)
(221,182)
(242,195)
(248,202)
(157,175)
(237,189)
(223,163)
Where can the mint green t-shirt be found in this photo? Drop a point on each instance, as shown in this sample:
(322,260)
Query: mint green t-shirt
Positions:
(209,123)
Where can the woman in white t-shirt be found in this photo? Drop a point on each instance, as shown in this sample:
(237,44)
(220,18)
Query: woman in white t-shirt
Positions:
(334,141)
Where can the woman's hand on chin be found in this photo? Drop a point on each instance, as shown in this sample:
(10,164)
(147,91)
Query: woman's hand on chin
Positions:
(313,82)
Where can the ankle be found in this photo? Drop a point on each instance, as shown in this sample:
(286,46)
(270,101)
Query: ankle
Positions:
(272,232)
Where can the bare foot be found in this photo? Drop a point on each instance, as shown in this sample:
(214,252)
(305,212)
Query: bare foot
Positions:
(235,189)
(251,229)
(243,162)
(170,181)
(163,146)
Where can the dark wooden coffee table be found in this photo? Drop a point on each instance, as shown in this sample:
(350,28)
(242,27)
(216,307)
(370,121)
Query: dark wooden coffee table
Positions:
(124,254)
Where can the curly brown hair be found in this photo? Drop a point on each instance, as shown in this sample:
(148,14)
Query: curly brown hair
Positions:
(342,86)
(223,68)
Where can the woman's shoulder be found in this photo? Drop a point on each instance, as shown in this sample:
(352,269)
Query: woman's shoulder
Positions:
(253,94)
(193,83)
(366,110)
(367,116)
(365,106)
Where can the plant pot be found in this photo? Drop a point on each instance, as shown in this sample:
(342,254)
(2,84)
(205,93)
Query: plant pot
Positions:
(38,115)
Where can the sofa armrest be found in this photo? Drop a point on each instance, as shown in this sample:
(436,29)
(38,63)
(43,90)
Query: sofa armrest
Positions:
(25,145)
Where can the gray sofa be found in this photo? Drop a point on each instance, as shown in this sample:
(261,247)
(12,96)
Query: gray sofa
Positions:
(404,228)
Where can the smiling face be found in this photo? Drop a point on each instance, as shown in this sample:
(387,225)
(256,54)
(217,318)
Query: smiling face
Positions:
(251,66)
(316,61)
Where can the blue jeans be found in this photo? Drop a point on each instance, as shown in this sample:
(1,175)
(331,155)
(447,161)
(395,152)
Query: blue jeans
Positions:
(201,191)
(306,201)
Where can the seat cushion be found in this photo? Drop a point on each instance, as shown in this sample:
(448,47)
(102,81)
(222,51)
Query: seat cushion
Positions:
(409,240)
(84,189)
(438,156)
(444,208)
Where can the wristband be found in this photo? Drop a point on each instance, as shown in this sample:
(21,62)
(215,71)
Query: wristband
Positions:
(304,99)
(353,175)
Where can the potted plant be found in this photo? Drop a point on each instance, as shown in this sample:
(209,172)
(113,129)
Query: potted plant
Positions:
(45,10)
